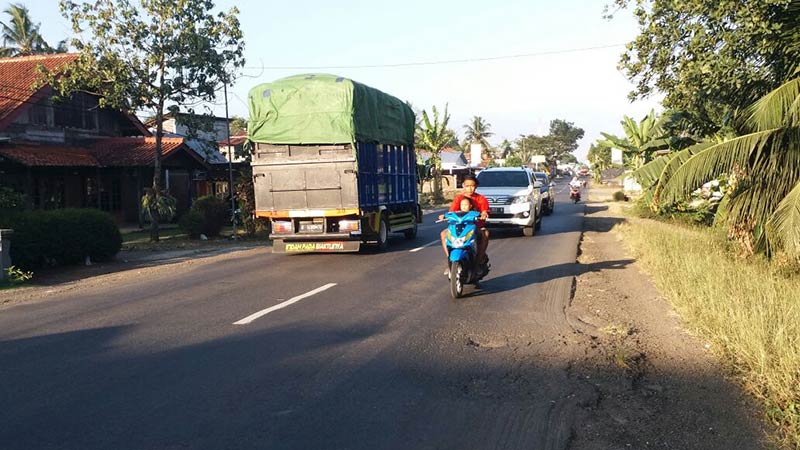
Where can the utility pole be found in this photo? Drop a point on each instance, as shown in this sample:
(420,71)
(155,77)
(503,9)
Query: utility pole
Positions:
(230,157)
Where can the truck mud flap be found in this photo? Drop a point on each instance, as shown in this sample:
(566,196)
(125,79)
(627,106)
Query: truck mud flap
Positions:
(281,246)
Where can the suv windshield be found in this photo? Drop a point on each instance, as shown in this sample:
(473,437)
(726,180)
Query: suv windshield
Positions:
(503,179)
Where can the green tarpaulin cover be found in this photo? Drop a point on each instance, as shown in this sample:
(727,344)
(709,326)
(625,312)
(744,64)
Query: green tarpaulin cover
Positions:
(326,109)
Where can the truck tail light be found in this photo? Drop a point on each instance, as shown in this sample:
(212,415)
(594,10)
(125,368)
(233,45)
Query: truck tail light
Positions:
(349,225)
(282,226)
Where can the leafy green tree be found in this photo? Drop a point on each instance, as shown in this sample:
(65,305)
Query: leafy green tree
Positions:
(711,58)
(238,124)
(562,140)
(21,37)
(433,136)
(568,158)
(599,156)
(155,55)
(525,147)
(513,161)
(763,206)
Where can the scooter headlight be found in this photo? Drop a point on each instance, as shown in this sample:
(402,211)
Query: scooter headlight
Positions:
(457,242)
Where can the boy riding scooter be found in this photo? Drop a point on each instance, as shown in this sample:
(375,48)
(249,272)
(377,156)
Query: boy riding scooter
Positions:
(478,202)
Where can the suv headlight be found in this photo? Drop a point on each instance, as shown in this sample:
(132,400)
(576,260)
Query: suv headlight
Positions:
(520,199)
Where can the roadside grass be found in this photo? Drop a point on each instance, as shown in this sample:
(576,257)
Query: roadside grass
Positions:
(748,309)
(15,277)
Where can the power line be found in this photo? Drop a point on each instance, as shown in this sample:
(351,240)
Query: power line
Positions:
(441,62)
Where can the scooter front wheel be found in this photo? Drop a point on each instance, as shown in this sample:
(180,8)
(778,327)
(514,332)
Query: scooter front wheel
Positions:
(456,279)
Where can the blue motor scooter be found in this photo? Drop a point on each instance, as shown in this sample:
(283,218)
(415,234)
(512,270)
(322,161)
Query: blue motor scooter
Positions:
(462,250)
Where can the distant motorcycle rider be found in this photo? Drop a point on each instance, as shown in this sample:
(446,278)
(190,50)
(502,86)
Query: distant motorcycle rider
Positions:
(575,189)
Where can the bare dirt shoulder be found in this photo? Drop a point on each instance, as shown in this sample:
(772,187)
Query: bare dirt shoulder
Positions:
(658,387)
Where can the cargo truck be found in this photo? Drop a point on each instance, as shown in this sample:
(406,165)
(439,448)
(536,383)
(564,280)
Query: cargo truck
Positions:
(333,164)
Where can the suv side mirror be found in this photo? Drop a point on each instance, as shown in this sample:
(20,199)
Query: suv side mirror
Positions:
(537,184)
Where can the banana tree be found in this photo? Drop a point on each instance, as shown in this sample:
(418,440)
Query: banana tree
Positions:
(763,208)
(433,136)
(641,139)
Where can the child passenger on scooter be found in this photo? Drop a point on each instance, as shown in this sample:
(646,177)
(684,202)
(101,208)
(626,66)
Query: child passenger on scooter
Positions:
(466,205)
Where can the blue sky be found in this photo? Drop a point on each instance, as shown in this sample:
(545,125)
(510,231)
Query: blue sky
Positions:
(516,96)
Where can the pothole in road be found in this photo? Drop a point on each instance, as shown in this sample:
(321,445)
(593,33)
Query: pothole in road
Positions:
(487,341)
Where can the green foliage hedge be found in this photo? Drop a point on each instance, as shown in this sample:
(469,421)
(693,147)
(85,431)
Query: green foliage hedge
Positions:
(191,223)
(61,237)
(10,201)
(215,214)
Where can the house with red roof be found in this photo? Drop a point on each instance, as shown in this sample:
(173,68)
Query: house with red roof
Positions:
(208,137)
(73,154)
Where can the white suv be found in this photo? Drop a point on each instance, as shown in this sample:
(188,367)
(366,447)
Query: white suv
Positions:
(514,198)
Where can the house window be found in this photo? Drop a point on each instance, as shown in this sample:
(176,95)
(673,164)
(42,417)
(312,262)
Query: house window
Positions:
(79,111)
(48,193)
(38,113)
(116,195)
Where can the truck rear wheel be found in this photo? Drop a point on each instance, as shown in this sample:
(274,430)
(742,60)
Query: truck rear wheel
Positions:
(383,235)
(411,233)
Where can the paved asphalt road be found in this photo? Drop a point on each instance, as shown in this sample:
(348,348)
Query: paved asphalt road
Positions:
(383,359)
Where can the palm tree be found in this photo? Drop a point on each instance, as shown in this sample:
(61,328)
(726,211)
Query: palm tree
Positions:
(763,207)
(21,37)
(477,131)
(433,137)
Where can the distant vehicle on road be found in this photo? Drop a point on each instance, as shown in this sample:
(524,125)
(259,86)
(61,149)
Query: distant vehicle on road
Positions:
(514,198)
(548,192)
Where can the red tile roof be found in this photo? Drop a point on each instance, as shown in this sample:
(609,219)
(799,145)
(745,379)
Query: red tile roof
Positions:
(49,155)
(111,152)
(235,140)
(18,75)
(134,151)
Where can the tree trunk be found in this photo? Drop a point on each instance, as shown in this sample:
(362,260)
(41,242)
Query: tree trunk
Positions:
(155,191)
(437,184)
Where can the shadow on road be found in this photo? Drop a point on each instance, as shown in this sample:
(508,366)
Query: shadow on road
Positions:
(602,224)
(512,281)
(324,386)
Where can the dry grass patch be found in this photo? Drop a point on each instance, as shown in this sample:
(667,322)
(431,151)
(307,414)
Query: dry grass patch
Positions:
(749,310)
